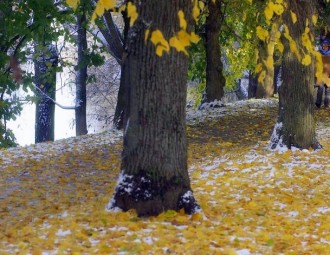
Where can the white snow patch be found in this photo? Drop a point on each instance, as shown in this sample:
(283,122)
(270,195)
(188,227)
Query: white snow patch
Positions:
(148,240)
(61,232)
(243,252)
(323,209)
(293,214)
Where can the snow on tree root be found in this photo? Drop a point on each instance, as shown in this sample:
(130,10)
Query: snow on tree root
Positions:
(150,197)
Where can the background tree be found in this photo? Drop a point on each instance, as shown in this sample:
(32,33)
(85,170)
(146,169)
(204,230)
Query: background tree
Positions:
(296,125)
(215,81)
(81,77)
(45,63)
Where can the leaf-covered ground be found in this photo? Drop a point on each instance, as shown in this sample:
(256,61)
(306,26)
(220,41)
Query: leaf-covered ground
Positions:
(254,201)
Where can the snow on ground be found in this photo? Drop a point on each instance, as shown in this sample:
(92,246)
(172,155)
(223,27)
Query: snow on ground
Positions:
(254,200)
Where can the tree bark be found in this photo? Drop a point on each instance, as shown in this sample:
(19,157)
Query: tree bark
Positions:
(253,83)
(81,80)
(120,117)
(296,125)
(266,89)
(215,81)
(154,175)
(45,80)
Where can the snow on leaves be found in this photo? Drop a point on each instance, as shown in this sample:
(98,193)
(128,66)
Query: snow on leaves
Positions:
(253,200)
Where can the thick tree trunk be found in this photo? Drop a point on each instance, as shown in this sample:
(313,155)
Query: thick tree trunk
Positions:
(215,81)
(45,80)
(154,174)
(296,125)
(80,111)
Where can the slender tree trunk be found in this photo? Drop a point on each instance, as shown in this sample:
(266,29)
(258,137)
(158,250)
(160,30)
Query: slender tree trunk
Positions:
(45,80)
(296,125)
(215,81)
(154,174)
(120,118)
(80,111)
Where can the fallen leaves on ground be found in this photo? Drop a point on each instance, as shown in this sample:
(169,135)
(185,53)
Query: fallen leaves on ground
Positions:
(254,201)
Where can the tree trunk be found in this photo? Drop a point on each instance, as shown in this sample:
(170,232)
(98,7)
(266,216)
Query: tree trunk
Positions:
(154,175)
(119,120)
(45,80)
(266,89)
(253,84)
(296,125)
(215,81)
(80,111)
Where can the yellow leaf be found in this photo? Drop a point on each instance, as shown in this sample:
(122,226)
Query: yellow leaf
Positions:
(269,62)
(196,11)
(258,68)
(277,35)
(307,60)
(146,35)
(159,50)
(194,38)
(268,13)
(280,46)
(201,5)
(314,19)
(73,3)
(229,251)
(184,38)
(293,17)
(132,13)
(160,42)
(262,33)
(169,214)
(278,9)
(175,43)
(99,9)
(183,22)
(107,4)
(197,217)
(262,77)
(294,49)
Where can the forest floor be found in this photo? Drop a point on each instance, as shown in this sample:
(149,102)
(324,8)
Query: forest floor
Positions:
(254,200)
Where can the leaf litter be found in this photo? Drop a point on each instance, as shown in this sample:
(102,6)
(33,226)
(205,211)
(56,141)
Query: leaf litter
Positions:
(254,201)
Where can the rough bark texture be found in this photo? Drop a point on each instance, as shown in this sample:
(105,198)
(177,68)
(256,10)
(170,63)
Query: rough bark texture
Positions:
(154,173)
(215,81)
(45,80)
(296,126)
(80,111)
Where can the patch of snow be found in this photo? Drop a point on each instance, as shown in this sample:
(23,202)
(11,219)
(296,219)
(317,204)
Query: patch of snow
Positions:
(148,240)
(61,232)
(323,209)
(293,214)
(64,214)
(243,252)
